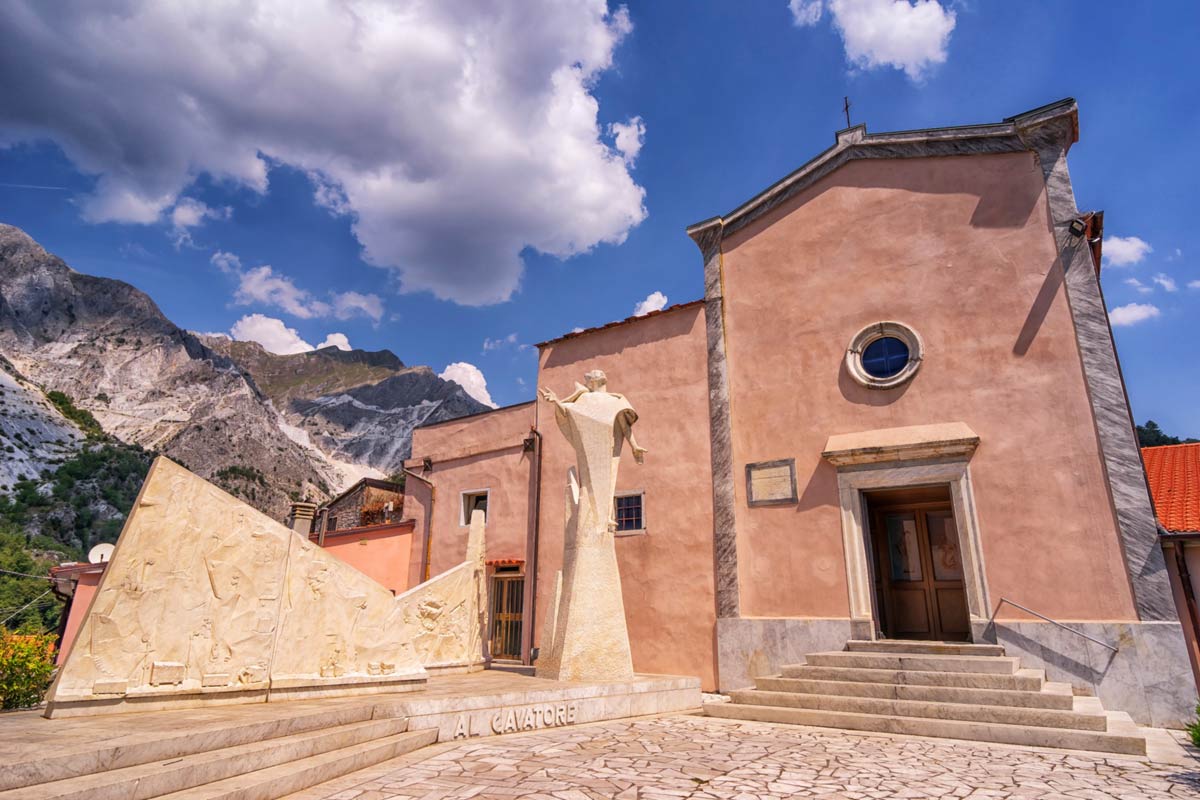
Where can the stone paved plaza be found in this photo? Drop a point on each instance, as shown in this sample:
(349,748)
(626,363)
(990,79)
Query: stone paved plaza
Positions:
(696,757)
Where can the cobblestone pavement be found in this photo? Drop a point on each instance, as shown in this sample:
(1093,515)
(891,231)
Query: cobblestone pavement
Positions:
(696,757)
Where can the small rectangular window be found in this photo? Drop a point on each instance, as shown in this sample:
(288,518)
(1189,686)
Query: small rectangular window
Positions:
(629,513)
(472,501)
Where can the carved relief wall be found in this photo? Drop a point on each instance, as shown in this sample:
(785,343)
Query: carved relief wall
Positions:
(207,600)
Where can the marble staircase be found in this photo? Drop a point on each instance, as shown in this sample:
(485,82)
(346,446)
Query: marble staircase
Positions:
(947,690)
(251,759)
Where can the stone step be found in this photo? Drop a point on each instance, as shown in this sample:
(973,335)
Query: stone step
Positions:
(1115,741)
(992,665)
(157,778)
(1026,680)
(924,648)
(224,731)
(1008,715)
(294,776)
(1053,695)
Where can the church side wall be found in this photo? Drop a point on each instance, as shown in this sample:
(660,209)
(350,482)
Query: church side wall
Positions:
(667,572)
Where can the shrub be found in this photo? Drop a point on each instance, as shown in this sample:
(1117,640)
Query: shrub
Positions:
(1194,728)
(26,662)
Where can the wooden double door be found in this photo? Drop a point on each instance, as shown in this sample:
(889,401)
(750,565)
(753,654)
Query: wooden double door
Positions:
(919,572)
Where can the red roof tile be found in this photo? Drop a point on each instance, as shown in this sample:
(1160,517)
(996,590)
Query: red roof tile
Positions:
(1174,473)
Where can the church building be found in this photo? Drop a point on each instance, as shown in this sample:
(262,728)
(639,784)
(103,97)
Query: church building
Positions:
(896,413)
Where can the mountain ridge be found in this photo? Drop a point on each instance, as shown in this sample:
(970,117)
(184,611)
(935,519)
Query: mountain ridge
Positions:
(270,428)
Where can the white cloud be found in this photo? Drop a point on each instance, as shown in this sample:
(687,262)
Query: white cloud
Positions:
(348,304)
(214,334)
(1124,251)
(1194,284)
(629,138)
(911,35)
(452,134)
(496,344)
(264,285)
(655,301)
(270,288)
(1175,255)
(337,340)
(271,333)
(1141,287)
(1132,314)
(1166,282)
(806,12)
(470,379)
(189,213)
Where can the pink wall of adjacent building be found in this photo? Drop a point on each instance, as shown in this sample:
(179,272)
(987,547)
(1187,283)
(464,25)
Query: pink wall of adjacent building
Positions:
(381,552)
(85,589)
(659,362)
(961,250)
(482,452)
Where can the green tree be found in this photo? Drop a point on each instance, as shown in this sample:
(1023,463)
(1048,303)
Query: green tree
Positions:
(1150,435)
(26,601)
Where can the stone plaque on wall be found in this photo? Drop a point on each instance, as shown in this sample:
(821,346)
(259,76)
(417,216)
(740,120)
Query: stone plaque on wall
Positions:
(771,482)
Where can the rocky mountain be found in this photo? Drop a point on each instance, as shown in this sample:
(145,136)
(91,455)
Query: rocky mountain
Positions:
(355,406)
(34,434)
(269,428)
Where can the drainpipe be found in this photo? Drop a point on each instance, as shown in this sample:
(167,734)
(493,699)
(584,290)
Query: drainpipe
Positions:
(531,553)
(428,520)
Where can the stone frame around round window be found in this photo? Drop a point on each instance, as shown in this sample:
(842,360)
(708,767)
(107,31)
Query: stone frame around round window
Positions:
(878,330)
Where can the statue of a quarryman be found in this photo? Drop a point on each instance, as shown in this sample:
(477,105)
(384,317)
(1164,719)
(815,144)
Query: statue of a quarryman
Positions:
(586,639)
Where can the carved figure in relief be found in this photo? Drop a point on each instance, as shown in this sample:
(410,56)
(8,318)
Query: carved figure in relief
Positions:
(590,638)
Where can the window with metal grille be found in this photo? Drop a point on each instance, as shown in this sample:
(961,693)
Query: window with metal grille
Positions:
(629,513)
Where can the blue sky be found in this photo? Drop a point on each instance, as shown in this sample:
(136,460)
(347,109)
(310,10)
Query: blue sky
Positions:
(189,150)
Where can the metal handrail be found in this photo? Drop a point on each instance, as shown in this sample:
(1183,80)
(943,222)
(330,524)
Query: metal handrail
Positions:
(1004,600)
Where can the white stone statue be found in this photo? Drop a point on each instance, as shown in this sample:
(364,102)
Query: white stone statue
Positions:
(585,636)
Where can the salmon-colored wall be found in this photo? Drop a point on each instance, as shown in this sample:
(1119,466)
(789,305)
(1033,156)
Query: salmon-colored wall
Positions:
(659,363)
(483,451)
(961,249)
(380,552)
(81,600)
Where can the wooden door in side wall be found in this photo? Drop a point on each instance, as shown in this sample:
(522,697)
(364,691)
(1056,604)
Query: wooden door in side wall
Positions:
(920,573)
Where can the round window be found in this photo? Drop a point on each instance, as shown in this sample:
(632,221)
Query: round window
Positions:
(884,355)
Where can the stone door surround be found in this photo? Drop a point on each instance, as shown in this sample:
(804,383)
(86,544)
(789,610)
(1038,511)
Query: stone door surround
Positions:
(896,458)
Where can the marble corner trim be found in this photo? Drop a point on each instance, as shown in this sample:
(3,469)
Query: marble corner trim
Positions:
(1130,497)
(1149,677)
(725,558)
(750,647)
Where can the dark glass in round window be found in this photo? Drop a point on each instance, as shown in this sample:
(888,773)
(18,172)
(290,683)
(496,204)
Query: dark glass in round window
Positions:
(885,357)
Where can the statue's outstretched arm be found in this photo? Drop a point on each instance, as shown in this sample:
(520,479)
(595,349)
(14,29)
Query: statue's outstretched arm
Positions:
(550,396)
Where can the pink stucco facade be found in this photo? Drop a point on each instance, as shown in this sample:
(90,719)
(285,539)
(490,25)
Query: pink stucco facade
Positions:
(667,571)
(966,236)
(485,452)
(961,250)
(381,552)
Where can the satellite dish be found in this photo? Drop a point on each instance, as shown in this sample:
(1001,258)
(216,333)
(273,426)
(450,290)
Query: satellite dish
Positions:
(100,553)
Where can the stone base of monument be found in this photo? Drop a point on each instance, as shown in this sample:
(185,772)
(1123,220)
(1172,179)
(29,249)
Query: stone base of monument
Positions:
(269,750)
(282,689)
(494,703)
